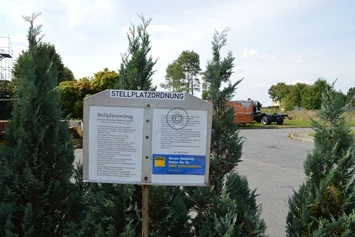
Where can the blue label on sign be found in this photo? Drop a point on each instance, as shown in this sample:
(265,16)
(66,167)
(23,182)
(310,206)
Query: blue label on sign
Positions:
(178,164)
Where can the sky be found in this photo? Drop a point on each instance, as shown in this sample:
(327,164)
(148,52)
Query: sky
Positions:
(272,41)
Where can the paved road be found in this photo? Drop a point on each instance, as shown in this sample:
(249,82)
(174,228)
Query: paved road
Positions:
(78,156)
(273,163)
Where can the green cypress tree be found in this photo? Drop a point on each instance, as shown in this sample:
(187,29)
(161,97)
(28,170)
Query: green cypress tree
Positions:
(36,195)
(324,205)
(137,65)
(108,211)
(228,207)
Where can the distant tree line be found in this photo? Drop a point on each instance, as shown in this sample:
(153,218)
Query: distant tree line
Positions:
(73,92)
(302,95)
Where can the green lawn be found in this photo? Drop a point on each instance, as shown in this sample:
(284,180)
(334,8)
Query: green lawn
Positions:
(353,133)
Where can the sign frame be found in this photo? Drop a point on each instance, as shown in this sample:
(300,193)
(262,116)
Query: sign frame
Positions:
(126,99)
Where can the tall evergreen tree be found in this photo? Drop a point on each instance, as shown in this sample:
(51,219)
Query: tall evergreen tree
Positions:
(182,74)
(36,195)
(136,69)
(324,205)
(228,207)
(190,62)
(67,75)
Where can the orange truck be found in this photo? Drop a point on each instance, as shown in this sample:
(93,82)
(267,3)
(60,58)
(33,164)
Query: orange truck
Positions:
(245,110)
(248,111)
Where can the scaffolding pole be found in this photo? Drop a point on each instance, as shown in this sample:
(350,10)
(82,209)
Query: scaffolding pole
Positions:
(6,58)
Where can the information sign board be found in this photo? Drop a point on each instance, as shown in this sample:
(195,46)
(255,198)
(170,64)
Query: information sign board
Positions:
(146,137)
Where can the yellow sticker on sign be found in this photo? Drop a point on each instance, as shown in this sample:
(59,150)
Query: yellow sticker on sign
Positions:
(159,161)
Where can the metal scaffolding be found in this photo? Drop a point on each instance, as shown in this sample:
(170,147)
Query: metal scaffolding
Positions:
(6,58)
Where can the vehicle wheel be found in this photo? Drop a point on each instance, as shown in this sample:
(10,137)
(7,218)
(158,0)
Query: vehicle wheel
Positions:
(265,121)
(280,122)
(257,119)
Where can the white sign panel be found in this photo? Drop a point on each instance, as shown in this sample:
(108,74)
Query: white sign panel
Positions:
(146,137)
(115,147)
(179,146)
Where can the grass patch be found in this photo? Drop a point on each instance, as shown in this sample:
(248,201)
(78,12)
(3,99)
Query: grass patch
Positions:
(350,118)
(312,133)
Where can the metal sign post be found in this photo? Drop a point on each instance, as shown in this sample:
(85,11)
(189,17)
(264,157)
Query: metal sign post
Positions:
(146,138)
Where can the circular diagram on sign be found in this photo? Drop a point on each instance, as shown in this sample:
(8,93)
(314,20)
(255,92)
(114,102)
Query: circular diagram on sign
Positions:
(177,118)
